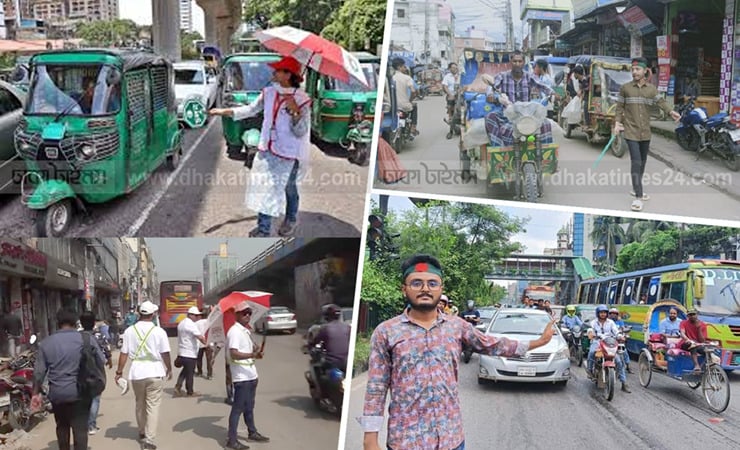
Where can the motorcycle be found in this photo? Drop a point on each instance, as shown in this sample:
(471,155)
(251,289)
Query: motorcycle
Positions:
(605,366)
(19,387)
(699,133)
(404,126)
(573,337)
(468,350)
(325,383)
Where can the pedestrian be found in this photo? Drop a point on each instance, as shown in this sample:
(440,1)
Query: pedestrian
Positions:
(58,360)
(633,117)
(417,354)
(242,352)
(204,349)
(188,336)
(149,350)
(87,320)
(284,147)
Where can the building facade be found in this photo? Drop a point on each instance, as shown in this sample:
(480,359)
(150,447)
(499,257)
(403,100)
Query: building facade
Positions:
(218,267)
(426,28)
(186,15)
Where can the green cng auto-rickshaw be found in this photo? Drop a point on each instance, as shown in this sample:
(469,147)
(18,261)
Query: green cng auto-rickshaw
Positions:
(242,78)
(96,124)
(343,113)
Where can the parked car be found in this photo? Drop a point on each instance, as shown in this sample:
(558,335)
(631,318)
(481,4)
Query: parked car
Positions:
(549,363)
(277,318)
(12,101)
(195,79)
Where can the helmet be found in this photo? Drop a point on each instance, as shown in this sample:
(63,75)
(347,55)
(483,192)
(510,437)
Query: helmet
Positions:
(471,303)
(601,308)
(570,309)
(330,311)
(444,298)
(613,311)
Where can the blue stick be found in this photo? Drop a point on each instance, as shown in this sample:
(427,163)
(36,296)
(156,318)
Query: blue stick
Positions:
(603,152)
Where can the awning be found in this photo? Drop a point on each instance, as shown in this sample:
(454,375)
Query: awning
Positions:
(584,269)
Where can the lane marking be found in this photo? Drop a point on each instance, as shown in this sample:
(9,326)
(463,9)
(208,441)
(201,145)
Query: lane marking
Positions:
(158,196)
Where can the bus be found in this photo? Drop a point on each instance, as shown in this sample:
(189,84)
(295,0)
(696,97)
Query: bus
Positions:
(710,286)
(176,297)
(539,292)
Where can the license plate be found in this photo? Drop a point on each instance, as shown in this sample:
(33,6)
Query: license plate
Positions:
(735,135)
(52,152)
(526,372)
(401,123)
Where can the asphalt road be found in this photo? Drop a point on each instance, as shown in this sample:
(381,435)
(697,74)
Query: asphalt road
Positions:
(666,415)
(205,197)
(677,183)
(284,411)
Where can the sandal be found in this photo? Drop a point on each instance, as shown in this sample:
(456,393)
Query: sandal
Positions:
(636,205)
(644,196)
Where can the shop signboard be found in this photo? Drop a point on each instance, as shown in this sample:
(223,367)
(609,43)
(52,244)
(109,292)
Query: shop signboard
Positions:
(635,46)
(664,77)
(19,259)
(636,22)
(664,50)
(727,54)
(583,7)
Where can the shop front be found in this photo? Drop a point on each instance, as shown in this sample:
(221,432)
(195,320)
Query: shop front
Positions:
(22,269)
(62,289)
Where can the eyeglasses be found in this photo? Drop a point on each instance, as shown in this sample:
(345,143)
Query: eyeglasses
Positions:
(418,284)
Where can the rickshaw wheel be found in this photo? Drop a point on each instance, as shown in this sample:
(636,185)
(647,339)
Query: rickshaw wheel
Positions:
(174,159)
(645,370)
(619,146)
(530,183)
(55,220)
(732,162)
(716,388)
(360,155)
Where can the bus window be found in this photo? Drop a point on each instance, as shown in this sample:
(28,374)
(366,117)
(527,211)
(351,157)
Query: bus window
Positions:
(677,292)
(603,288)
(618,296)
(665,289)
(629,292)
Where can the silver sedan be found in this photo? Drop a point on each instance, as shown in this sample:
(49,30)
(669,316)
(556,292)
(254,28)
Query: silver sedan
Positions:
(277,318)
(547,364)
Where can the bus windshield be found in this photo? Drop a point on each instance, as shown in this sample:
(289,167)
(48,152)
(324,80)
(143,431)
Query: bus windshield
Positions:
(722,291)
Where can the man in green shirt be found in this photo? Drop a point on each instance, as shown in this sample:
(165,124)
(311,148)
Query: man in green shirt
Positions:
(633,117)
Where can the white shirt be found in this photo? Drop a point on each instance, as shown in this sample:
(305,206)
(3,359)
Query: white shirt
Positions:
(609,328)
(239,338)
(187,344)
(146,362)
(450,81)
(201,324)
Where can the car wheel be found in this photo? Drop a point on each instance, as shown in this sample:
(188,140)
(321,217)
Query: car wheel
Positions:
(292,331)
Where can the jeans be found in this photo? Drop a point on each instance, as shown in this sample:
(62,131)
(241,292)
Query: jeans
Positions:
(264,222)
(74,416)
(638,158)
(208,353)
(244,395)
(621,371)
(94,408)
(186,374)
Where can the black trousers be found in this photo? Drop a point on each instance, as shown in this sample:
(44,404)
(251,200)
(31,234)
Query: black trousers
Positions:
(186,374)
(205,351)
(72,416)
(638,157)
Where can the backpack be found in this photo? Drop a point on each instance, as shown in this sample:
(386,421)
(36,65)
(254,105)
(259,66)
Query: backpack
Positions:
(91,374)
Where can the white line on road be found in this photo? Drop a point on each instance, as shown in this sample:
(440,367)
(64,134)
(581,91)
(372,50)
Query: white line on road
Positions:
(158,196)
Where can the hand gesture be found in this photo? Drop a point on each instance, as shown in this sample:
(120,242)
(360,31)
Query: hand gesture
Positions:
(675,116)
(36,402)
(220,112)
(110,364)
(258,355)
(292,106)
(618,127)
(549,330)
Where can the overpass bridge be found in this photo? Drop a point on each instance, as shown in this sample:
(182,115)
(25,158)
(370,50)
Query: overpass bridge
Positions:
(302,273)
(222,19)
(568,271)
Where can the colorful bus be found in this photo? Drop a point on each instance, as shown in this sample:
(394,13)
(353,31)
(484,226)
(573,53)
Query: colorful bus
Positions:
(176,297)
(710,286)
(539,292)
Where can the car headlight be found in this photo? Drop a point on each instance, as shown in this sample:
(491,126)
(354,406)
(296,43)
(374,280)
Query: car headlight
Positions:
(88,151)
(563,353)
(526,126)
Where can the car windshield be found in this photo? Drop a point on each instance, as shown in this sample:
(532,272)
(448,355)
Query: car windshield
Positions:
(279,310)
(519,323)
(722,294)
(355,86)
(79,90)
(487,313)
(189,76)
(247,75)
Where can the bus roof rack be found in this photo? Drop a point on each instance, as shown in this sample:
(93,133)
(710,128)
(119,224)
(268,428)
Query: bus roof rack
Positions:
(715,262)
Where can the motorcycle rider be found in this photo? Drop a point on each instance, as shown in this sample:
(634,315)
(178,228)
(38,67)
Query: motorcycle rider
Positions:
(472,314)
(405,92)
(334,334)
(602,327)
(450,82)
(614,316)
(570,319)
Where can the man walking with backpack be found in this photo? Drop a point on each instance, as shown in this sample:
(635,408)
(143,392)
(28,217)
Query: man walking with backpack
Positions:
(87,320)
(73,364)
(147,346)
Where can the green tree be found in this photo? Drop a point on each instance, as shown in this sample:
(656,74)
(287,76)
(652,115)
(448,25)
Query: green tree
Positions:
(606,234)
(187,44)
(308,15)
(358,24)
(118,32)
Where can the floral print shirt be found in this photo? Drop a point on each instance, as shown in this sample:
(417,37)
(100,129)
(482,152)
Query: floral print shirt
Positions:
(420,368)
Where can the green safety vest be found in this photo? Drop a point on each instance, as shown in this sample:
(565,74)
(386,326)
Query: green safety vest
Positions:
(147,355)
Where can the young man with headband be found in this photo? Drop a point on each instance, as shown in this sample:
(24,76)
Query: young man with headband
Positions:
(633,117)
(417,354)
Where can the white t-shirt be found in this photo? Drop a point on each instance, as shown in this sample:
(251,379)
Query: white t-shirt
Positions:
(450,81)
(147,362)
(239,338)
(201,324)
(187,344)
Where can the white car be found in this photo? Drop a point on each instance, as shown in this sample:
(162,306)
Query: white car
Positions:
(195,79)
(546,364)
(277,318)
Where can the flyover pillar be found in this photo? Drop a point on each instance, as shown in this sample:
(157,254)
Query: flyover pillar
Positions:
(222,19)
(166,31)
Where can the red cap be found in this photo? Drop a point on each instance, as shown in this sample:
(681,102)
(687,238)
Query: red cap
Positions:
(289,64)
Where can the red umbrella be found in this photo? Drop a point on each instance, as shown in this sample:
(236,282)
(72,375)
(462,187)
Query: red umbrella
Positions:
(322,55)
(222,316)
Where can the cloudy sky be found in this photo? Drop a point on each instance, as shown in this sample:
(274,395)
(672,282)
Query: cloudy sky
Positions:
(480,14)
(182,258)
(140,11)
